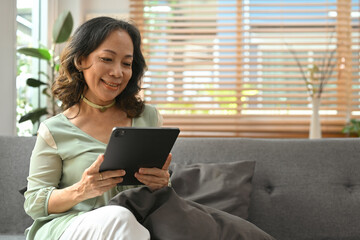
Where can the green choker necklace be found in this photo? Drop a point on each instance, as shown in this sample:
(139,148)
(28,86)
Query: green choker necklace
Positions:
(101,108)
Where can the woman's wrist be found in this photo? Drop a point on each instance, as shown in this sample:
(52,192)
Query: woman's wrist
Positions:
(62,200)
(77,192)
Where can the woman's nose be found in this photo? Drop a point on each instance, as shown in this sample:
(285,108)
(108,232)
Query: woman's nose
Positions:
(117,71)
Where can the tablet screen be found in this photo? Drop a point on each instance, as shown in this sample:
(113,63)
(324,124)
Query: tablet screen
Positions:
(131,148)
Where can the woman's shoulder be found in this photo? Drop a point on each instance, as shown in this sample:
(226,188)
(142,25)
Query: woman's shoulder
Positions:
(58,125)
(55,121)
(48,127)
(150,117)
(149,109)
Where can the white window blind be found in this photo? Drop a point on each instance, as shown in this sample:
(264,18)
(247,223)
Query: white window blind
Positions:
(231,68)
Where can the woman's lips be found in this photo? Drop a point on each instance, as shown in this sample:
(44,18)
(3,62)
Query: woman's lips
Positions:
(111,85)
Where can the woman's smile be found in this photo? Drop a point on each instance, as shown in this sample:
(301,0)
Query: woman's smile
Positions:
(111,85)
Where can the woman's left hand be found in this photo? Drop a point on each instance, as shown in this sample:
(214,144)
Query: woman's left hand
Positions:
(155,178)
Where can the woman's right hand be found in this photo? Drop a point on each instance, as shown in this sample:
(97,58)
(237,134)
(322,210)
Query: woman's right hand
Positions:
(92,184)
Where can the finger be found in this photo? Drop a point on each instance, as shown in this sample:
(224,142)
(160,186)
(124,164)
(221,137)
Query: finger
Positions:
(95,166)
(151,184)
(110,182)
(152,180)
(143,180)
(154,172)
(113,174)
(167,163)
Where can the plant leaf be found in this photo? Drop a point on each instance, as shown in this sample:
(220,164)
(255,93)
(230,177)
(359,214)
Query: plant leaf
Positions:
(32,82)
(40,53)
(45,91)
(355,128)
(34,115)
(62,27)
(353,121)
(346,129)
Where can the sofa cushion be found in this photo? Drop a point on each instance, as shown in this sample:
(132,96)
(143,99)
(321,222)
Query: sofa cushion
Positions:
(224,186)
(160,211)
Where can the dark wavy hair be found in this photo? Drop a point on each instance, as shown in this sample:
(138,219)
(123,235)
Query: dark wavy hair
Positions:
(70,83)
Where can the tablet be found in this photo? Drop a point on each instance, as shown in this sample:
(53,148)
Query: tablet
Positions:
(131,148)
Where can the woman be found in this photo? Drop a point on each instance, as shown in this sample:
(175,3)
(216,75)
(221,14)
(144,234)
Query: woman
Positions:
(98,85)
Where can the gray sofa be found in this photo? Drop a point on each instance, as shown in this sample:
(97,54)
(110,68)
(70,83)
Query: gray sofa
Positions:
(301,189)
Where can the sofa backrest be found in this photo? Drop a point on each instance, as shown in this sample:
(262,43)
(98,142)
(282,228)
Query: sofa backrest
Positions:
(302,189)
(14,159)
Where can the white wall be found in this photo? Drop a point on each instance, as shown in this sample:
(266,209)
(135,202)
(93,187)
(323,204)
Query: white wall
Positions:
(8,67)
(81,9)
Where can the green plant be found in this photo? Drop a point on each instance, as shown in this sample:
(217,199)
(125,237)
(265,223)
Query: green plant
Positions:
(62,29)
(352,127)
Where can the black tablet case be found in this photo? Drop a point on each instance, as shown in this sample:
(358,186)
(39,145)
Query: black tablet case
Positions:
(131,148)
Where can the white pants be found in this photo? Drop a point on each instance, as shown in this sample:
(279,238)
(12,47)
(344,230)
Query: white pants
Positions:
(109,222)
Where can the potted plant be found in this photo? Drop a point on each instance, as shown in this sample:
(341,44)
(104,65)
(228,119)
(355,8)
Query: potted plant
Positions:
(353,127)
(61,32)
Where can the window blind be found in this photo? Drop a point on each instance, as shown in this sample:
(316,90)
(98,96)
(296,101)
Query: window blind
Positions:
(233,68)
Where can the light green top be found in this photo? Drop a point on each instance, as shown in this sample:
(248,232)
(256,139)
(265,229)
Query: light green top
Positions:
(61,154)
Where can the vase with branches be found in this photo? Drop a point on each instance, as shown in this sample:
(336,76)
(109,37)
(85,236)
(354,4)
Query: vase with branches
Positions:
(316,76)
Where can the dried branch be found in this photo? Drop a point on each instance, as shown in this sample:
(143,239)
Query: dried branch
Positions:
(307,82)
(326,70)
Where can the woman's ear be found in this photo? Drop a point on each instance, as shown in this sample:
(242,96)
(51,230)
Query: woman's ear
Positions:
(78,63)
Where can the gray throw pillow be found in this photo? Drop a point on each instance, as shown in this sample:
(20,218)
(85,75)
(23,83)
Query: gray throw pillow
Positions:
(224,186)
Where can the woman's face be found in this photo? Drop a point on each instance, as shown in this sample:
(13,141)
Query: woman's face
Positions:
(108,68)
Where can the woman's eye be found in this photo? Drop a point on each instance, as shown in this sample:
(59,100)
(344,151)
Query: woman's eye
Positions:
(127,64)
(103,59)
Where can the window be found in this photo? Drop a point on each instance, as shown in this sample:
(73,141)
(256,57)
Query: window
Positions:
(228,68)
(29,34)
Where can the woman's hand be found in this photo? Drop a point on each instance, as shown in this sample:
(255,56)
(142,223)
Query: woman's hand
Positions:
(93,183)
(155,178)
